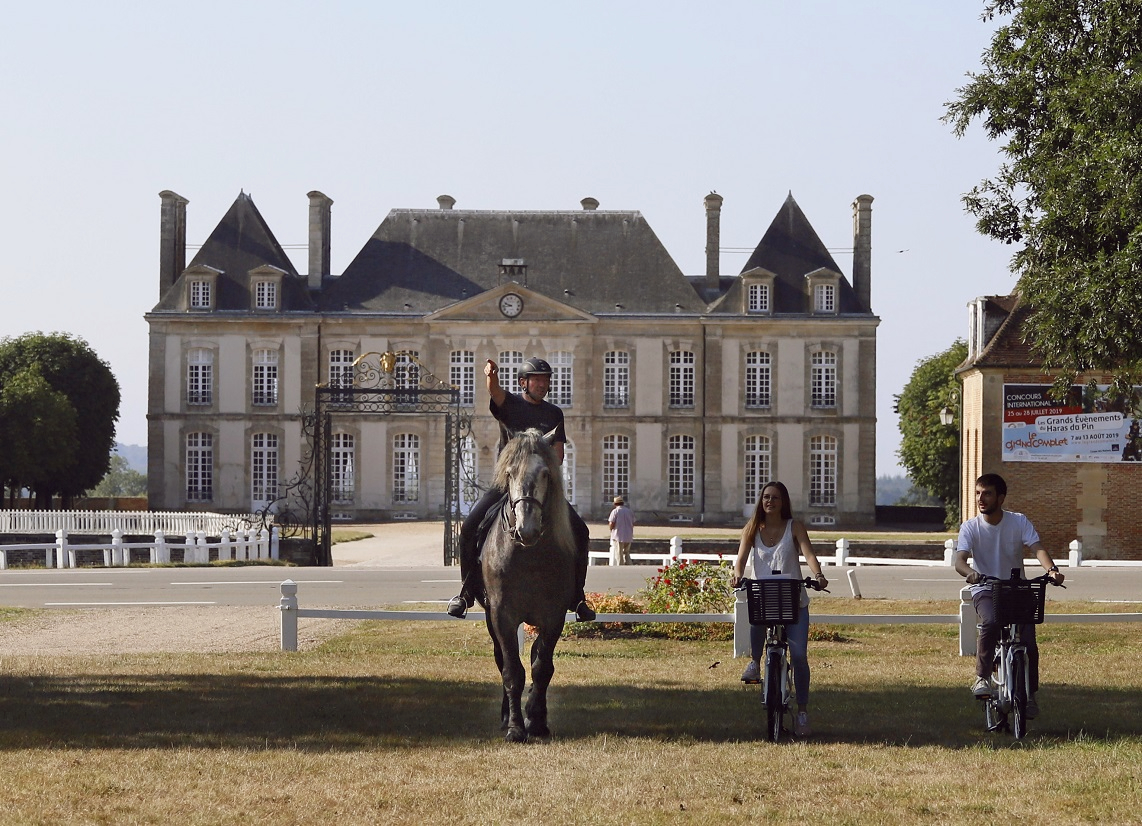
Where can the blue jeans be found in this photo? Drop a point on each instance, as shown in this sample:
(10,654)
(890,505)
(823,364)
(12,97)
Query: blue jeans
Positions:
(798,636)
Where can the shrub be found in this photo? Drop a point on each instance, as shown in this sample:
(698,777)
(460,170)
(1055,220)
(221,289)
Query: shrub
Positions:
(684,587)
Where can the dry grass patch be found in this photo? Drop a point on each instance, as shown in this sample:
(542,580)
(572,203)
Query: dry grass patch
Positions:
(399,723)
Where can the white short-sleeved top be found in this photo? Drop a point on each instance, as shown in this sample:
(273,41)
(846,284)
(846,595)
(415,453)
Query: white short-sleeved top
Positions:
(996,549)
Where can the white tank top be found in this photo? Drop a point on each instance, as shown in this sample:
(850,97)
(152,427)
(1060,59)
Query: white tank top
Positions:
(782,557)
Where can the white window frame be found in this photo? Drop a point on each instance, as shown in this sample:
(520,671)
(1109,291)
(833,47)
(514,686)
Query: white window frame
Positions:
(341,367)
(200,377)
(616,466)
(680,469)
(568,471)
(406,468)
(616,379)
(509,363)
(201,294)
(760,298)
(682,379)
(823,471)
(758,379)
(462,375)
(823,379)
(757,454)
(343,467)
(470,492)
(264,464)
(562,379)
(824,298)
(199,466)
(264,378)
(265,295)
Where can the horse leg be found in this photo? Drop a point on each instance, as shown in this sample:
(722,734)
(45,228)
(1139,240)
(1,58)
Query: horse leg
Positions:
(542,669)
(498,652)
(511,670)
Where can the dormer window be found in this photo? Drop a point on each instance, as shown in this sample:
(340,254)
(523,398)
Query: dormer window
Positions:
(824,298)
(265,295)
(757,292)
(266,288)
(759,298)
(824,289)
(201,288)
(201,295)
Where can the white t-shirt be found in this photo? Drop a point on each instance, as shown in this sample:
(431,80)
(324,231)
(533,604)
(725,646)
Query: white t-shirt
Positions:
(996,549)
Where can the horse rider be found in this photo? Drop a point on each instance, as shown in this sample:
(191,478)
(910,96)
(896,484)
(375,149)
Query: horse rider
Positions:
(517,413)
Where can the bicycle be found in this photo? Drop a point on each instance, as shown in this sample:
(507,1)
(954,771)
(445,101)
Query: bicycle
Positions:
(1017,602)
(775,602)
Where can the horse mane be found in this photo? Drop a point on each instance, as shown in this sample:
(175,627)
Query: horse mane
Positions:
(514,454)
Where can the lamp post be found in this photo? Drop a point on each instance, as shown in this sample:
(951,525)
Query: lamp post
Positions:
(948,419)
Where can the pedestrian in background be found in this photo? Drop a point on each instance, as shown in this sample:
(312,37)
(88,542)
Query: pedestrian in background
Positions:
(621,521)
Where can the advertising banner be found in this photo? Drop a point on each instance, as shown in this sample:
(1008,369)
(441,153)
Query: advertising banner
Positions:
(1082,427)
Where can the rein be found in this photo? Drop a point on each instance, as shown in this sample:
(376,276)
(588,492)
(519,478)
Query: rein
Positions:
(507,516)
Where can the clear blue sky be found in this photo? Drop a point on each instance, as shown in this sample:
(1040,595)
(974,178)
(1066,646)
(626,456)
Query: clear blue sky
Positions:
(503,105)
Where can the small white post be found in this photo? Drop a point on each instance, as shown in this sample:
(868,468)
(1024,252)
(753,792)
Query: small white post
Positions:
(117,549)
(275,542)
(242,548)
(521,634)
(675,547)
(842,552)
(968,620)
(950,553)
(289,615)
(160,554)
(853,586)
(61,548)
(741,625)
(263,544)
(225,547)
(201,552)
(1075,557)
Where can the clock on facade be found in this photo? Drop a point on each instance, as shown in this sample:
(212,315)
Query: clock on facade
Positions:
(511,305)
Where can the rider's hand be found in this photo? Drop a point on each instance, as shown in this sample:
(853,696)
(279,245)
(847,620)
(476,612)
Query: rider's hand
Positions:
(822,583)
(735,580)
(972,578)
(490,369)
(1056,577)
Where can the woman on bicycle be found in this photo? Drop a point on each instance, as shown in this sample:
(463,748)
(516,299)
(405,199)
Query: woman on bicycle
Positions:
(772,540)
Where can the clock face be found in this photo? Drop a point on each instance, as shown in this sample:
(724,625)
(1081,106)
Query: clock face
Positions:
(511,305)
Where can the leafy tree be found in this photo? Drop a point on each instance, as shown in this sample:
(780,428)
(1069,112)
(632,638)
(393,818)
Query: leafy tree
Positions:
(39,432)
(929,450)
(70,367)
(121,480)
(1061,88)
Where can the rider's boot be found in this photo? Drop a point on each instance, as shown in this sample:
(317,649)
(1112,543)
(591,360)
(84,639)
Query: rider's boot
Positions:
(458,605)
(583,611)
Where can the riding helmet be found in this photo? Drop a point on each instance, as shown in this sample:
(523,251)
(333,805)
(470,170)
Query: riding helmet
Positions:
(533,367)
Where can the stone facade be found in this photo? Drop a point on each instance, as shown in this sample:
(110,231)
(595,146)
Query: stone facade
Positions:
(682,393)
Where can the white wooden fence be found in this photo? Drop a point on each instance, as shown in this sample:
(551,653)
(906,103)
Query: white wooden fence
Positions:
(129,522)
(231,545)
(966,619)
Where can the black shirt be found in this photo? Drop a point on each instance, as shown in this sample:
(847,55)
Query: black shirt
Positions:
(517,414)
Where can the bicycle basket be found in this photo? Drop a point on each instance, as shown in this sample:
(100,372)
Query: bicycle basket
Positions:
(773,601)
(1018,601)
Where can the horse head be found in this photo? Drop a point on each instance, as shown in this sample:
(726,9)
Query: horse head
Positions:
(529,472)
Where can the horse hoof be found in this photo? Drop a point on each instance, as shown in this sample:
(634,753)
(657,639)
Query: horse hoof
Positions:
(515,734)
(538,730)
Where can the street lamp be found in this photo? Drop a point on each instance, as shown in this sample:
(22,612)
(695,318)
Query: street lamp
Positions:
(947,417)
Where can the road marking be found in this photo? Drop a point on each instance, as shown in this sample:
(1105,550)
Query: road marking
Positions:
(1128,601)
(52,584)
(100,604)
(929,580)
(263,582)
(439,580)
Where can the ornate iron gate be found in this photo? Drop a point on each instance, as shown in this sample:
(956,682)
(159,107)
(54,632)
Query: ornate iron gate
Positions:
(386,384)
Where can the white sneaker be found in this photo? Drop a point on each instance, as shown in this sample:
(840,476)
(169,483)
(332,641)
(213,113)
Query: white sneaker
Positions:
(752,673)
(981,687)
(801,724)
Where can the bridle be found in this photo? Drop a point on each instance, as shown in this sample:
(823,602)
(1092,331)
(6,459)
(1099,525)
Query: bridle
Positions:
(507,517)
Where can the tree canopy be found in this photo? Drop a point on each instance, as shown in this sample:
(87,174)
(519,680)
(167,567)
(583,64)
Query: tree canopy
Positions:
(70,368)
(929,450)
(121,480)
(1061,89)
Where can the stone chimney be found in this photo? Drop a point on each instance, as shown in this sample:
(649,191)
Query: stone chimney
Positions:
(172,240)
(589,204)
(320,225)
(862,251)
(446,201)
(713,243)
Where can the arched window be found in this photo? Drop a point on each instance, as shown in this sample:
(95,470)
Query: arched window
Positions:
(263,469)
(265,377)
(199,467)
(509,364)
(343,467)
(200,376)
(561,379)
(758,468)
(681,378)
(680,470)
(823,379)
(406,468)
(616,379)
(823,471)
(616,466)
(758,379)
(462,374)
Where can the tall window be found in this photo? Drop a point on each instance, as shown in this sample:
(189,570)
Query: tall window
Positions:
(265,377)
(757,379)
(462,374)
(823,470)
(341,368)
(406,376)
(758,464)
(343,467)
(616,379)
(509,364)
(469,479)
(561,375)
(823,379)
(406,468)
(680,470)
(199,467)
(200,295)
(616,466)
(263,468)
(825,298)
(681,378)
(266,295)
(568,471)
(200,377)
(759,298)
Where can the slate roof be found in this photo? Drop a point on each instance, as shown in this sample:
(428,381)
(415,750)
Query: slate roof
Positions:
(1006,347)
(241,242)
(791,249)
(591,260)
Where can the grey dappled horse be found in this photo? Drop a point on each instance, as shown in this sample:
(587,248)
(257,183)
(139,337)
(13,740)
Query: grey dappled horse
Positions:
(528,561)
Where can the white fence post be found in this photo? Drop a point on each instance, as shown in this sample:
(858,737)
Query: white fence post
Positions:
(853,586)
(1075,557)
(263,544)
(741,626)
(968,620)
(61,548)
(675,547)
(225,548)
(160,554)
(275,543)
(950,553)
(289,615)
(116,549)
(842,552)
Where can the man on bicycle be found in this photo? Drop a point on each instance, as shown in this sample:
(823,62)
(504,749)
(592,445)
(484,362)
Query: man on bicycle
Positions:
(994,540)
(516,414)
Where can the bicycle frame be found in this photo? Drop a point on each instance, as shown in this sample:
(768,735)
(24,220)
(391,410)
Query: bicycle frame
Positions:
(778,668)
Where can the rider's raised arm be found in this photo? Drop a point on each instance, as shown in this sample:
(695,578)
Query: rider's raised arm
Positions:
(492,372)
(1044,557)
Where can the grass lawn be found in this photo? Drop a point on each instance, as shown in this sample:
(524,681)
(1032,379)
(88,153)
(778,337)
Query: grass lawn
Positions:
(399,723)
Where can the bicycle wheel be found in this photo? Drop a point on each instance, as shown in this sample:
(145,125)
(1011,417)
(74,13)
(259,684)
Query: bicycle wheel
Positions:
(1019,693)
(774,674)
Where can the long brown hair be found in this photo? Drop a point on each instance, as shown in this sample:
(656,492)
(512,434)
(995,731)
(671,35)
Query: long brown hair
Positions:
(758,519)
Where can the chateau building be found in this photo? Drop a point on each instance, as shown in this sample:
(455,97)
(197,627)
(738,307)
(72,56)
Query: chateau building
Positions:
(683,394)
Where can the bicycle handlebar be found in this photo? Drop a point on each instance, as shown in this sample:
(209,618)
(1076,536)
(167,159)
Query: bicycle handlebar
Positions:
(808,582)
(985,578)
